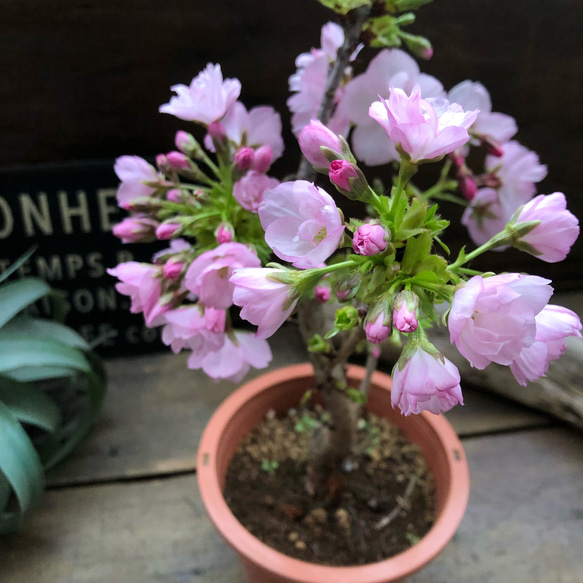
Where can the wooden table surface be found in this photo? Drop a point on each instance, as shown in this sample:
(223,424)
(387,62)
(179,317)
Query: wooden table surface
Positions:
(126,507)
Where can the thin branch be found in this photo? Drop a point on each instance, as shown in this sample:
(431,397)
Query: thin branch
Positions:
(402,504)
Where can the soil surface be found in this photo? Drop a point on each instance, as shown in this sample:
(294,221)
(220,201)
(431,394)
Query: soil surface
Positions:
(386,502)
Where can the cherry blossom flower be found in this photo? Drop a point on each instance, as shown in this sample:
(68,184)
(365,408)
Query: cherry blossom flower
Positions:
(426,382)
(377,330)
(302,223)
(493,318)
(552,240)
(405,311)
(485,217)
(312,137)
(208,275)
(259,127)
(240,352)
(195,327)
(370,239)
(473,95)
(553,325)
(248,191)
(136,228)
(340,172)
(134,172)
(206,99)
(265,301)
(518,169)
(424,129)
(390,68)
(142,282)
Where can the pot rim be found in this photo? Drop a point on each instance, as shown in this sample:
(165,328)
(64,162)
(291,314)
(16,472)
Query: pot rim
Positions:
(245,544)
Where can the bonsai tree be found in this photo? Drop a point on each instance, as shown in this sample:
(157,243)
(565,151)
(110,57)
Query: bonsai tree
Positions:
(387,267)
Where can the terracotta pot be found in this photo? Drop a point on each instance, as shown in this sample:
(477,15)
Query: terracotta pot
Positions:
(282,389)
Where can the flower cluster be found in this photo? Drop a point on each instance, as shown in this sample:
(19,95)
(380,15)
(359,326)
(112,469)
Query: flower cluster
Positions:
(226,217)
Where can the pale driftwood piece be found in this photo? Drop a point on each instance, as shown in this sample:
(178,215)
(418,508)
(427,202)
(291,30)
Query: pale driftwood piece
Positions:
(560,393)
(523,525)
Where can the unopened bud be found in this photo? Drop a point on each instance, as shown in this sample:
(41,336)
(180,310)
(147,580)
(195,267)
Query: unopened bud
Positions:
(167,230)
(370,239)
(174,195)
(185,142)
(224,233)
(263,159)
(178,161)
(405,311)
(173,269)
(244,159)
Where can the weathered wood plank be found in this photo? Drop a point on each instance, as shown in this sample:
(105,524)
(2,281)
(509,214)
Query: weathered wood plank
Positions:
(523,524)
(156,410)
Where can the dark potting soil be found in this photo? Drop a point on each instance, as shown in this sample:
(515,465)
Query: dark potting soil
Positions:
(387,502)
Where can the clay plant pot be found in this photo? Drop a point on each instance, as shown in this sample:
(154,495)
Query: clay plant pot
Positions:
(282,389)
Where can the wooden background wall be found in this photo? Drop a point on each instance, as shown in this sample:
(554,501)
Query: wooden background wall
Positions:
(83,79)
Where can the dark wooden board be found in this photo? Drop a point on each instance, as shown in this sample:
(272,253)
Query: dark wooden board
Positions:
(524,524)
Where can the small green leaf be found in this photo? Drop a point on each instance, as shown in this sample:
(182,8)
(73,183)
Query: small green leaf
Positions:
(17,353)
(42,328)
(29,405)
(19,462)
(356,396)
(20,261)
(17,295)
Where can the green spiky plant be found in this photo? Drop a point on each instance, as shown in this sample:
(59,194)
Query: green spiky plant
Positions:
(51,389)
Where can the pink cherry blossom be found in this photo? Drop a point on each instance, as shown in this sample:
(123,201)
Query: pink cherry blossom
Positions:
(493,318)
(195,327)
(263,158)
(322,293)
(134,172)
(518,169)
(244,158)
(424,129)
(224,233)
(390,68)
(206,99)
(554,324)
(302,223)
(376,330)
(176,246)
(208,275)
(142,282)
(248,191)
(370,239)
(405,311)
(473,95)
(558,229)
(340,172)
(136,228)
(426,382)
(265,301)
(312,137)
(240,352)
(167,230)
(309,82)
(485,217)
(260,126)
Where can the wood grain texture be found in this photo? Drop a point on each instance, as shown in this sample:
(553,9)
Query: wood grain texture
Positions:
(156,409)
(524,524)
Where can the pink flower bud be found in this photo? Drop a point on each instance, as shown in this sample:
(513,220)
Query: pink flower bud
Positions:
(161,161)
(467,186)
(377,331)
(135,229)
(178,161)
(263,159)
(174,195)
(493,146)
(184,141)
(369,239)
(340,171)
(322,293)
(244,158)
(166,230)
(173,269)
(314,135)
(404,311)
(224,233)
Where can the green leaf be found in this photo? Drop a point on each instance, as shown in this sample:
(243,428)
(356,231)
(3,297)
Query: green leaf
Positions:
(29,405)
(416,251)
(17,353)
(19,461)
(20,261)
(356,396)
(17,295)
(42,328)
(29,374)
